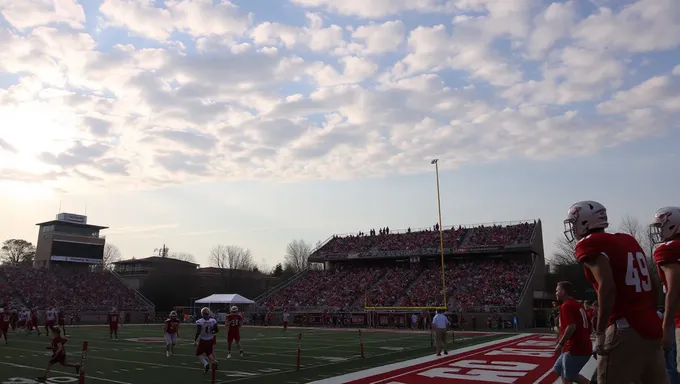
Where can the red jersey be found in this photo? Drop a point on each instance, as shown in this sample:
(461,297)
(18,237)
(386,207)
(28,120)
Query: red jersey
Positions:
(590,313)
(5,319)
(113,318)
(666,253)
(58,340)
(635,299)
(573,313)
(171,326)
(234,321)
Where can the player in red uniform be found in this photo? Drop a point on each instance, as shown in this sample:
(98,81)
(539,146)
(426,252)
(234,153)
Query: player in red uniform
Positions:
(113,319)
(665,231)
(234,321)
(58,355)
(573,344)
(5,319)
(590,313)
(61,321)
(171,333)
(34,321)
(628,327)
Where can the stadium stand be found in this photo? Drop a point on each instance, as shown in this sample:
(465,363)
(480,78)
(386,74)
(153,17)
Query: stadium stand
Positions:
(487,267)
(69,289)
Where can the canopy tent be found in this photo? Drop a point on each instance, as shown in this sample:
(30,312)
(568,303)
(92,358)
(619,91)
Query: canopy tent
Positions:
(224,298)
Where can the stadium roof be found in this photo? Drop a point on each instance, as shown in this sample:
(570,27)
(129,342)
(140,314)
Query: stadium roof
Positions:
(72,224)
(153,259)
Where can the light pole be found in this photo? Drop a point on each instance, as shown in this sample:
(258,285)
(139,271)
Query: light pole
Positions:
(441,229)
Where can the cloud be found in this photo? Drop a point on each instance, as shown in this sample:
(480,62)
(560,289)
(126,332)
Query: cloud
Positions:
(5,146)
(150,93)
(27,14)
(197,18)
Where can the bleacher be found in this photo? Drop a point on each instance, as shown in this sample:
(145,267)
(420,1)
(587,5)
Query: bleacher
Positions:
(364,271)
(68,289)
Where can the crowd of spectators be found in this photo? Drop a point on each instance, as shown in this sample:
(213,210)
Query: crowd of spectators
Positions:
(68,289)
(497,235)
(384,240)
(469,284)
(337,288)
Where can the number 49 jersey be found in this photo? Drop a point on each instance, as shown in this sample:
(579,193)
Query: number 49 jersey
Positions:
(635,299)
(666,253)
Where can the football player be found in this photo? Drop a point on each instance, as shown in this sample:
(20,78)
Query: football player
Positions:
(113,320)
(4,323)
(573,345)
(234,320)
(171,331)
(628,328)
(665,231)
(206,330)
(58,355)
(50,315)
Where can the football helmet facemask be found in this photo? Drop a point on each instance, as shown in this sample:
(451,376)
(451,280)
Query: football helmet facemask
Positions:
(582,218)
(665,225)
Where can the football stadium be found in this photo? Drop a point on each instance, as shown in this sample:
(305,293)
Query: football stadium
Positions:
(361,312)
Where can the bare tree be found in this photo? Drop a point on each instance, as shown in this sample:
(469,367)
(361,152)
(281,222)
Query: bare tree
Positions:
(564,252)
(17,251)
(183,256)
(297,255)
(111,255)
(632,226)
(231,257)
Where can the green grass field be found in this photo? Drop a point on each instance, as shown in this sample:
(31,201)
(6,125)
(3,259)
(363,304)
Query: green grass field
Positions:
(270,355)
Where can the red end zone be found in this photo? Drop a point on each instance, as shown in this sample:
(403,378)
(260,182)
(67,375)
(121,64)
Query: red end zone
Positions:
(522,359)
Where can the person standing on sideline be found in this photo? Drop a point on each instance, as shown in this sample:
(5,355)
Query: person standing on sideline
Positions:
(440,324)
(515,322)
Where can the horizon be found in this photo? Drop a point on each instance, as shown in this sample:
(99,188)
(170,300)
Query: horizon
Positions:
(196,123)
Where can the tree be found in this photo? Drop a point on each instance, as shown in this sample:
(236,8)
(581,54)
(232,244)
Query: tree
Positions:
(111,255)
(632,226)
(162,251)
(17,251)
(183,256)
(278,270)
(564,252)
(231,257)
(297,255)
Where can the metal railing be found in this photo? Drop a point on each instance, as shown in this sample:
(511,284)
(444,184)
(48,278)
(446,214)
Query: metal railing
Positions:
(148,302)
(280,286)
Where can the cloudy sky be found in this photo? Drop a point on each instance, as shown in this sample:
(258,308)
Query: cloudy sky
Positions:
(255,122)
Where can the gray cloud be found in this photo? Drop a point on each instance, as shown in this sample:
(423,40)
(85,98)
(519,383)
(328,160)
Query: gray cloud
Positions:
(79,154)
(5,146)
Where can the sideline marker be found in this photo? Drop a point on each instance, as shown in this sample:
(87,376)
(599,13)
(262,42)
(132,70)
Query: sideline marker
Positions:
(299,349)
(361,343)
(83,357)
(214,373)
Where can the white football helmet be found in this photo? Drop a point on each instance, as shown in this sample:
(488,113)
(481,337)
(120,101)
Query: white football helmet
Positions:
(234,309)
(205,312)
(173,314)
(666,225)
(582,218)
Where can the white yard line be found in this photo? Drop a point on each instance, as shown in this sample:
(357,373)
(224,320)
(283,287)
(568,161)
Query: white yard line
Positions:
(62,372)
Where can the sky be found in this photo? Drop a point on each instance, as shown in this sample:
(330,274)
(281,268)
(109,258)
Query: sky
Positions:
(194,123)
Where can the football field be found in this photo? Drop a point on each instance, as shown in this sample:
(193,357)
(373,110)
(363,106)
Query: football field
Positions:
(270,355)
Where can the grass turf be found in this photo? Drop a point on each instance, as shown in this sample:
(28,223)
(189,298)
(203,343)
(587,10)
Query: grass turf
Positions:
(270,355)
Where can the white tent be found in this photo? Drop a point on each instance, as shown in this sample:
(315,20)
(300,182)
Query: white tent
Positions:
(224,298)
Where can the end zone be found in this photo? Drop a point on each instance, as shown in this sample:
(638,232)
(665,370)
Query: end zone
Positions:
(520,359)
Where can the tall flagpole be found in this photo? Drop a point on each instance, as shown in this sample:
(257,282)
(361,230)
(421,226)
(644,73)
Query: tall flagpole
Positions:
(441,228)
